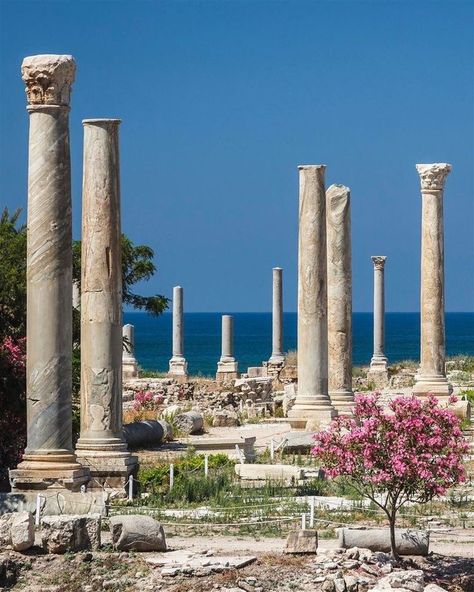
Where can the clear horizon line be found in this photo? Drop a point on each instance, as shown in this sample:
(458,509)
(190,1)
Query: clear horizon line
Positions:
(168,311)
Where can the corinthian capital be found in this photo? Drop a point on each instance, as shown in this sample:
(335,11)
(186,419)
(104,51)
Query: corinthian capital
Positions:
(433,176)
(48,79)
(379,261)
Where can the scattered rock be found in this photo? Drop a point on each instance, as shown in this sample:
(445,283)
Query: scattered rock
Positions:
(137,533)
(190,422)
(22,531)
(224,418)
(68,532)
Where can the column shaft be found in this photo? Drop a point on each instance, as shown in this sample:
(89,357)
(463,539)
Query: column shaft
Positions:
(129,363)
(338,216)
(379,360)
(178,364)
(431,376)
(277,356)
(227,367)
(312,399)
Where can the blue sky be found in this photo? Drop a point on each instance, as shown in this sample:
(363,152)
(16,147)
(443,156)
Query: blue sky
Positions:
(221,101)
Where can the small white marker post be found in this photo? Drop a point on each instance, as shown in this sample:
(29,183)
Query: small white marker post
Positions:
(303,521)
(38,510)
(239,454)
(311,512)
(171,476)
(130,488)
(272,449)
(206,465)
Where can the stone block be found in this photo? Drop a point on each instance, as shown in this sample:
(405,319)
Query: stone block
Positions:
(302,541)
(409,542)
(137,533)
(22,531)
(257,472)
(189,422)
(69,533)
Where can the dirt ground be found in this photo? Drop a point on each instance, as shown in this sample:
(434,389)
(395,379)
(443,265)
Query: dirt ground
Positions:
(451,565)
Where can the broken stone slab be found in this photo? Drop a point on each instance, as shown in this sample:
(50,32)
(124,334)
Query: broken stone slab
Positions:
(227,445)
(69,533)
(189,422)
(411,580)
(140,434)
(302,541)
(17,531)
(299,441)
(256,472)
(133,532)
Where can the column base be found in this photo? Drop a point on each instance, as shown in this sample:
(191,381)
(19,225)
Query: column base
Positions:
(432,385)
(378,364)
(274,366)
(378,372)
(342,401)
(107,469)
(227,369)
(318,413)
(129,368)
(55,469)
(178,367)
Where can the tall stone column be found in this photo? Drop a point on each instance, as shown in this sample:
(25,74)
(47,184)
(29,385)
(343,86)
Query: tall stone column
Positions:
(338,220)
(101,446)
(278,357)
(227,367)
(431,377)
(129,362)
(378,371)
(48,461)
(312,399)
(178,364)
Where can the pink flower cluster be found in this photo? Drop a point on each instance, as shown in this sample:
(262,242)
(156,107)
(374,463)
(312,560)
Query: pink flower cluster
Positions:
(146,400)
(15,354)
(415,447)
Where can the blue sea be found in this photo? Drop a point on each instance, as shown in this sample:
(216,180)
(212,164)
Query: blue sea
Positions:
(253,341)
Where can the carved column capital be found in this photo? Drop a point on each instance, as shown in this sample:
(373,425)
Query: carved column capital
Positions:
(379,261)
(48,79)
(433,176)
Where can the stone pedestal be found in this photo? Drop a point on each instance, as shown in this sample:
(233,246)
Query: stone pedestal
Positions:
(129,363)
(338,218)
(378,371)
(101,446)
(277,359)
(312,399)
(431,377)
(178,365)
(49,461)
(227,367)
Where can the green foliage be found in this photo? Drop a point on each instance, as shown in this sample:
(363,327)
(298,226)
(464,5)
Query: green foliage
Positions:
(12,276)
(462,363)
(467,395)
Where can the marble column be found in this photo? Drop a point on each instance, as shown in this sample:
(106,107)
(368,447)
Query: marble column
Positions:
(178,364)
(431,377)
(338,227)
(101,446)
(227,367)
(278,357)
(312,400)
(49,461)
(129,363)
(378,371)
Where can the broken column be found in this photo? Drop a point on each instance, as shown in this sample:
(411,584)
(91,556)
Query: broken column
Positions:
(431,376)
(338,219)
(312,400)
(129,363)
(101,446)
(227,367)
(178,364)
(49,461)
(378,371)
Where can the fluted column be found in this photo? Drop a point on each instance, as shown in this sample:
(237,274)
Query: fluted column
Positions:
(277,357)
(101,445)
(312,400)
(227,367)
(431,377)
(129,362)
(338,218)
(49,460)
(178,364)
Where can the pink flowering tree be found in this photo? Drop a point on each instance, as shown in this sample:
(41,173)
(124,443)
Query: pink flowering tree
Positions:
(410,452)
